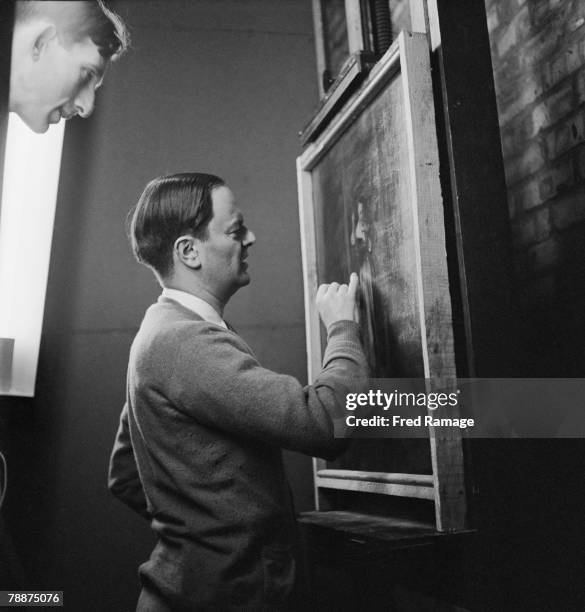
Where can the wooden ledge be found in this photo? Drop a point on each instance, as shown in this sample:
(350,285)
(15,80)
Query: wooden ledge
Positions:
(363,528)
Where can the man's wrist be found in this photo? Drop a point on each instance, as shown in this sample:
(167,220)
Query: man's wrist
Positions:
(346,327)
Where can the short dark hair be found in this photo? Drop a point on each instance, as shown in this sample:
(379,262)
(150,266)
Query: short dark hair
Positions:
(169,207)
(79,19)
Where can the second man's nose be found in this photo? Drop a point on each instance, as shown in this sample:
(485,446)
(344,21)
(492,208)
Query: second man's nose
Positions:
(85,102)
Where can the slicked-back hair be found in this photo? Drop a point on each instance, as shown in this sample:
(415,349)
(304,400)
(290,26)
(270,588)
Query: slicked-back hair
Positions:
(169,207)
(79,19)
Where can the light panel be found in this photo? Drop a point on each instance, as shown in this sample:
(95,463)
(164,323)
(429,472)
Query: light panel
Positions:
(29,196)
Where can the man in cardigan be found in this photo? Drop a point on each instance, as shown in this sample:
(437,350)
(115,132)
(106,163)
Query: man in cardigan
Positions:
(198,451)
(60,52)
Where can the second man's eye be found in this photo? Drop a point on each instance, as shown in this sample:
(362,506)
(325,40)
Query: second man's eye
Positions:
(87,76)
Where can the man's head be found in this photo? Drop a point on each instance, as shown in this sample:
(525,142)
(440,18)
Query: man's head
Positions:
(187,228)
(60,51)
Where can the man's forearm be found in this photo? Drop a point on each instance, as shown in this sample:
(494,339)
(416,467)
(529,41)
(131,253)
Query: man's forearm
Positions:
(123,477)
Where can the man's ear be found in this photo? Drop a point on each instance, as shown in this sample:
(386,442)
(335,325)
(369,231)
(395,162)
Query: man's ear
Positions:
(45,33)
(185,250)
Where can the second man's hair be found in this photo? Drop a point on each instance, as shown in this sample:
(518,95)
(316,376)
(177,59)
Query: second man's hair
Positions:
(79,19)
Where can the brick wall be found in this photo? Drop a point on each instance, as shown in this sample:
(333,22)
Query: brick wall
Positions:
(538,55)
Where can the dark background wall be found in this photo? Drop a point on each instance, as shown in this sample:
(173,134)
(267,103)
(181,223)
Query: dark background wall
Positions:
(538,54)
(215,85)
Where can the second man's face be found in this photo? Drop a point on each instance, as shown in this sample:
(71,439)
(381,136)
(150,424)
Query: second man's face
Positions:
(223,254)
(62,83)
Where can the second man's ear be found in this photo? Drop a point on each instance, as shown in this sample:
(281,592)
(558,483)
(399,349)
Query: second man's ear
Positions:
(42,38)
(185,250)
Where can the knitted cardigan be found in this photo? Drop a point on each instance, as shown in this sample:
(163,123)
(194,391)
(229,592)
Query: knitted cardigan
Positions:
(198,452)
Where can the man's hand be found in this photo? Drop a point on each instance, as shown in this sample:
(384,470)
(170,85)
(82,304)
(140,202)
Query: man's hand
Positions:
(337,302)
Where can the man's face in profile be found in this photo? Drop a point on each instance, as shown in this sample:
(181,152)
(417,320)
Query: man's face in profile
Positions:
(61,82)
(225,250)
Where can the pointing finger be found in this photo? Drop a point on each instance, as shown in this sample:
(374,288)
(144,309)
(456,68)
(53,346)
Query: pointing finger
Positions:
(353,284)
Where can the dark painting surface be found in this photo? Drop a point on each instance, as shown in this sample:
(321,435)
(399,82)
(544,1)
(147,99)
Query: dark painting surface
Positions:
(364,224)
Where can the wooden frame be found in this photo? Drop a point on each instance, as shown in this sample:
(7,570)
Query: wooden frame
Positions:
(357,37)
(409,58)
(353,72)
(335,89)
(360,34)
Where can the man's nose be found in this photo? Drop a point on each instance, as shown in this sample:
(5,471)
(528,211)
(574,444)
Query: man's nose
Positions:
(250,238)
(85,102)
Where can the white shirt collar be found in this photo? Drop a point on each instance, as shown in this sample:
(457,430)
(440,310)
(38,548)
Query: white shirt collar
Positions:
(197,305)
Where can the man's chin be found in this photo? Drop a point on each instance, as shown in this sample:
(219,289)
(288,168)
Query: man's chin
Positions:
(43,129)
(38,127)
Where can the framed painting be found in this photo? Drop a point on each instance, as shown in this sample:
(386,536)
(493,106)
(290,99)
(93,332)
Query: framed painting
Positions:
(370,202)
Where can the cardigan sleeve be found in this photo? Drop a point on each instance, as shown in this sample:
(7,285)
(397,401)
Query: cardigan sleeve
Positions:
(123,478)
(218,381)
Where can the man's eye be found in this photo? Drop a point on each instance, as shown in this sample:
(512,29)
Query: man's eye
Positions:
(87,75)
